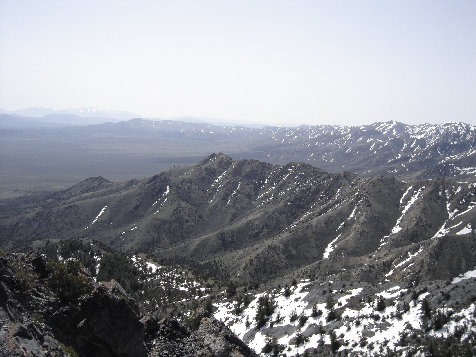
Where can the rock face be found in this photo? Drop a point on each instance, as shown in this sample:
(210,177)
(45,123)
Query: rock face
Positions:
(221,340)
(114,320)
(102,324)
(212,338)
(23,303)
(37,320)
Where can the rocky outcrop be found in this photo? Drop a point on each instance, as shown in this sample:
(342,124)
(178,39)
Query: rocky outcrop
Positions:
(23,304)
(212,338)
(103,323)
(220,340)
(114,320)
(35,322)
(37,319)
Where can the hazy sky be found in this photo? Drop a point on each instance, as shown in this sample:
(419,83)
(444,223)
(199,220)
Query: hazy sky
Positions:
(273,62)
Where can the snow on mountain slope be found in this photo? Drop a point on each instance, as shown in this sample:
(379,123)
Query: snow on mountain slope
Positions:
(250,220)
(359,321)
(408,151)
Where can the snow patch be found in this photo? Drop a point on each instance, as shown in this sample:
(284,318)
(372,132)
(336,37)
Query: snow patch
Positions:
(330,247)
(99,215)
(468,275)
(466,230)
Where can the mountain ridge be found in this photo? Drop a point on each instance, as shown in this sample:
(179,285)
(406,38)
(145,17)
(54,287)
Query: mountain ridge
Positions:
(140,148)
(291,258)
(261,221)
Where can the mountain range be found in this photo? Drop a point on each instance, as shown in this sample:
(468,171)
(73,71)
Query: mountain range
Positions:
(312,240)
(46,158)
(252,221)
(292,259)
(89,114)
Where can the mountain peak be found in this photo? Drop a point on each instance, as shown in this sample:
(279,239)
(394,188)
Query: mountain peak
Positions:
(216,157)
(219,155)
(91,184)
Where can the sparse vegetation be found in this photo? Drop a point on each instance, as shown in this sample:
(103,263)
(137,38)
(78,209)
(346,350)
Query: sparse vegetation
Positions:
(330,302)
(65,280)
(119,267)
(439,319)
(265,309)
(193,320)
(293,317)
(332,315)
(426,308)
(302,320)
(335,344)
(272,346)
(231,290)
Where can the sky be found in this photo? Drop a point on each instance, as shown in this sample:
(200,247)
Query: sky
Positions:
(267,62)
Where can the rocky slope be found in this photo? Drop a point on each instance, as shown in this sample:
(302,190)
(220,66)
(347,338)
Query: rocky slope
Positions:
(331,317)
(251,221)
(318,316)
(51,308)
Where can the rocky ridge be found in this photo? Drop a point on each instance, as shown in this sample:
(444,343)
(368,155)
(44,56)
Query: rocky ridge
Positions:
(317,316)
(50,308)
(251,221)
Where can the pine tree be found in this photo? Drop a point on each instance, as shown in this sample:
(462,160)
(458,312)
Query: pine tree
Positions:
(330,302)
(335,344)
(381,305)
(426,308)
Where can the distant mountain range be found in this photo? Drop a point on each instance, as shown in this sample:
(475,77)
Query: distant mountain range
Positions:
(36,158)
(92,113)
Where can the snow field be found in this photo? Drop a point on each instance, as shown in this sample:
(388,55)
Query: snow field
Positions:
(361,328)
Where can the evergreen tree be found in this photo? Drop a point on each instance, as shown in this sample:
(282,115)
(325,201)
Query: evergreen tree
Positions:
(335,344)
(381,305)
(426,308)
(330,302)
(265,308)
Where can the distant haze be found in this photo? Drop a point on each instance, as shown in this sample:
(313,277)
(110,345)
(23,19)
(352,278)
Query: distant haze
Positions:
(266,62)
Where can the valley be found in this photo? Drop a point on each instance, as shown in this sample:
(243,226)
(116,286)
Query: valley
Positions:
(35,159)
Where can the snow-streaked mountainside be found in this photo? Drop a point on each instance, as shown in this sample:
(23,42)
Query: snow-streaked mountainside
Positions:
(251,221)
(291,258)
(358,319)
(33,157)
(409,151)
(289,317)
